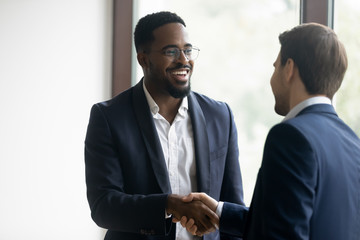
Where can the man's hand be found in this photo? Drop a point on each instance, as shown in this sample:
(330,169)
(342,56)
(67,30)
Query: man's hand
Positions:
(203,217)
(203,197)
(189,223)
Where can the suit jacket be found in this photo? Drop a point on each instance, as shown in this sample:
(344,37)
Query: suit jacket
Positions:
(126,174)
(308,186)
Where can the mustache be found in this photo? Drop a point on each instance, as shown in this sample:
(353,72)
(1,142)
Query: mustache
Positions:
(179,66)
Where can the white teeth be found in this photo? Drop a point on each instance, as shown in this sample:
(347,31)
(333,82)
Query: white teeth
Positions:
(180,72)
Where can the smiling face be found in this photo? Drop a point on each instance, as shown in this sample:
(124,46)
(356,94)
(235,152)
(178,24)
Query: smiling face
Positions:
(166,75)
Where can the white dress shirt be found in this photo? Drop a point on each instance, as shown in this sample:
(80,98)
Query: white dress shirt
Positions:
(177,143)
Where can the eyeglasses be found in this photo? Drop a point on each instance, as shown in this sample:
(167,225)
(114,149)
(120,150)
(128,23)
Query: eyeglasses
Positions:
(191,53)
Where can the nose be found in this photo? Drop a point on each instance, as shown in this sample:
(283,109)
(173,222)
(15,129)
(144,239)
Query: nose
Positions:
(182,58)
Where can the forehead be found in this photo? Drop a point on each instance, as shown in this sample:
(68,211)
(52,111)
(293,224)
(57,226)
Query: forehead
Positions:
(170,34)
(278,58)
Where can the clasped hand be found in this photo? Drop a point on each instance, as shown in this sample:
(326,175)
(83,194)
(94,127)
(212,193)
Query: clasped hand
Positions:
(195,212)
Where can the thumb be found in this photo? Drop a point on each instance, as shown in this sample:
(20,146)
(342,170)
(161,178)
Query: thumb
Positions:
(193,197)
(207,200)
(188,198)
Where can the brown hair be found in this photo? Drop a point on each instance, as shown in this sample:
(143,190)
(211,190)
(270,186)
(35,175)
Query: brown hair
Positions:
(318,54)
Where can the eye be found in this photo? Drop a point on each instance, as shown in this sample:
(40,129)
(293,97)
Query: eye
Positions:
(188,51)
(171,52)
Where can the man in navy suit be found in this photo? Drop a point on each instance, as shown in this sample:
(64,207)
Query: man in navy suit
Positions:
(308,186)
(158,141)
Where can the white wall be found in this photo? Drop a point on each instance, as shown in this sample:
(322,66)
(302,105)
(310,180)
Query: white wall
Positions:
(55,62)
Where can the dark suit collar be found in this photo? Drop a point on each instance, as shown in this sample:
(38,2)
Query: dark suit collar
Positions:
(306,103)
(150,136)
(202,152)
(318,108)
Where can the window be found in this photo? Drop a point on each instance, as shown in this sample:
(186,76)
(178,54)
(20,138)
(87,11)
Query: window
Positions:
(347,19)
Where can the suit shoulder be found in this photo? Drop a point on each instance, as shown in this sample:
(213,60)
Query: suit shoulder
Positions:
(204,100)
(284,128)
(117,100)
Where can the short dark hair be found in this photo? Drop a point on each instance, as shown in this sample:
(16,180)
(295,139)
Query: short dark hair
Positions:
(318,54)
(143,33)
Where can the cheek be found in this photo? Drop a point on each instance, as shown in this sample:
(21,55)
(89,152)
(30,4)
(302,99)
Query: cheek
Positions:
(191,63)
(157,68)
(272,80)
(159,62)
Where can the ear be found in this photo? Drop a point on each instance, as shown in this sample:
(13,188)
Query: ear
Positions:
(143,59)
(290,70)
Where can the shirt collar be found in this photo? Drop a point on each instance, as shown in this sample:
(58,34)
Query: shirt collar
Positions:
(183,107)
(306,103)
(154,108)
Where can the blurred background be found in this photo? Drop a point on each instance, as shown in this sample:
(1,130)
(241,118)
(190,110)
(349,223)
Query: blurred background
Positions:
(56,61)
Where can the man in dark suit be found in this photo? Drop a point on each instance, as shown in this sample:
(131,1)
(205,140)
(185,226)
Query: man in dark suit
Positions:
(308,186)
(158,141)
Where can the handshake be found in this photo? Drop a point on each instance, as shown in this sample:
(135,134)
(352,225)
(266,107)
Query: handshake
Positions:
(196,212)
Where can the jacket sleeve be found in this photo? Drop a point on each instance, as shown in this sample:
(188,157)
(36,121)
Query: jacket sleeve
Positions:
(233,219)
(232,188)
(111,207)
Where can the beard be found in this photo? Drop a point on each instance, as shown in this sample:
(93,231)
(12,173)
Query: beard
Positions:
(176,92)
(169,87)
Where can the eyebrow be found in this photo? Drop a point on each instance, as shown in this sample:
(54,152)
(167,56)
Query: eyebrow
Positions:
(175,46)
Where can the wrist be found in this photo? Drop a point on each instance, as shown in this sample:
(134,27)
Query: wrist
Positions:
(170,204)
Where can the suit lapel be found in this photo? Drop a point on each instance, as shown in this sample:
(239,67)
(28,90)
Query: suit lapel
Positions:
(202,152)
(151,139)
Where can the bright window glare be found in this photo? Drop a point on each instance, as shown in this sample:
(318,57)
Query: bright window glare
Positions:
(347,19)
(239,43)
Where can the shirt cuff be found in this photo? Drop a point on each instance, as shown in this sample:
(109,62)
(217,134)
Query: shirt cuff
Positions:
(167,215)
(219,208)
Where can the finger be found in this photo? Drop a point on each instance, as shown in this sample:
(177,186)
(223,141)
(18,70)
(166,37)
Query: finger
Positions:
(208,215)
(193,230)
(183,221)
(213,217)
(204,225)
(204,231)
(190,223)
(199,234)
(175,220)
(208,221)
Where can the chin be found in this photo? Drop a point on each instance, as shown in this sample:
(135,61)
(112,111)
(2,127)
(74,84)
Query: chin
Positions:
(180,93)
(280,111)
(177,92)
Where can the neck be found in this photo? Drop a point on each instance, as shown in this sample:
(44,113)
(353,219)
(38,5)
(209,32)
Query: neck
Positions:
(169,108)
(298,93)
